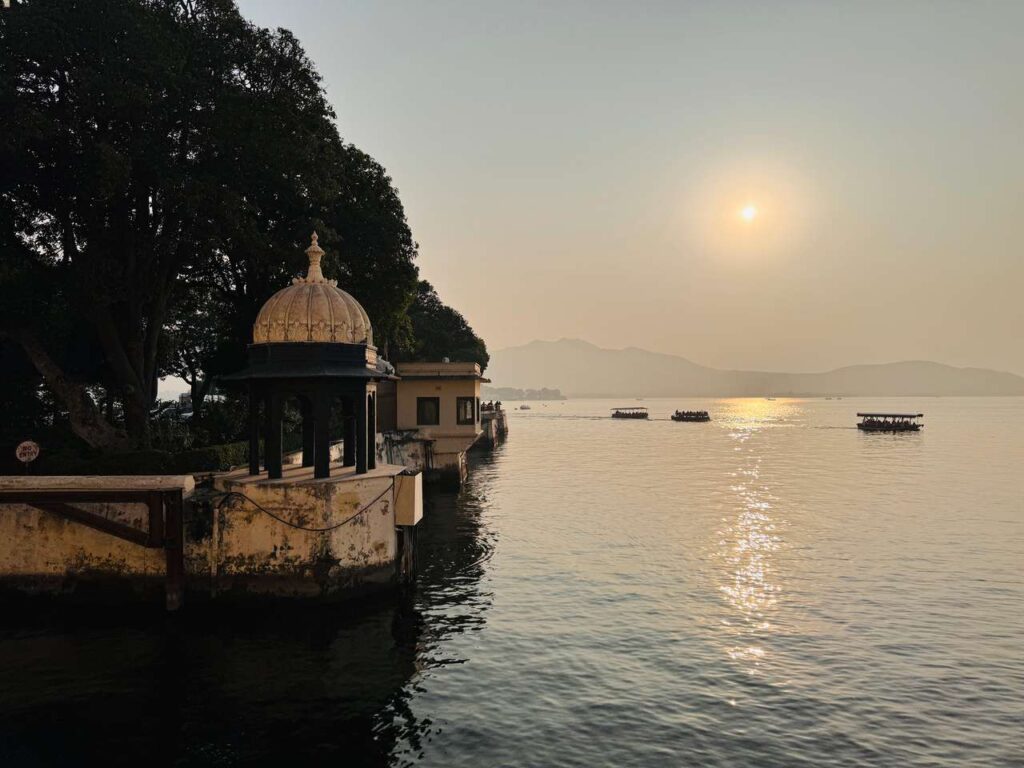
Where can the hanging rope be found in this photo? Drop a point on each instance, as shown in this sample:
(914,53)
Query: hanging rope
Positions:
(290,524)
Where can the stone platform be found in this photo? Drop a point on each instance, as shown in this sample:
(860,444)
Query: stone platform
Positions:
(247,536)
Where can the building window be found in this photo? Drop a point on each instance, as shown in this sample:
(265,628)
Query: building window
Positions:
(465,408)
(428,411)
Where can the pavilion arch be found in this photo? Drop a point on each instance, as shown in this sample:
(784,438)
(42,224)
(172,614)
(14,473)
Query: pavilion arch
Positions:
(313,342)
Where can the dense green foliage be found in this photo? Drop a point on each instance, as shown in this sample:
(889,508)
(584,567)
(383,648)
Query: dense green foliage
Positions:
(162,164)
(438,331)
(212,458)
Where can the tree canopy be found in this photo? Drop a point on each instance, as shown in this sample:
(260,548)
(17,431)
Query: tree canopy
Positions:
(438,331)
(162,164)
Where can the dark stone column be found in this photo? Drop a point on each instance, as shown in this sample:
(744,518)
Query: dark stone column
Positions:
(359,401)
(272,438)
(254,430)
(321,434)
(349,436)
(371,430)
(308,442)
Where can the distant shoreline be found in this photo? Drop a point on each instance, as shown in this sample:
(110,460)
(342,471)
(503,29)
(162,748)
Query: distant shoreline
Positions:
(516,393)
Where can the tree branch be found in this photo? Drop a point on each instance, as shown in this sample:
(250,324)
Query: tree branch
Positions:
(86,420)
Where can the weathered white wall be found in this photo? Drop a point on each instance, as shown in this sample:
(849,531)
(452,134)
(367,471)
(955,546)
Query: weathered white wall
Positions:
(239,549)
(249,550)
(37,546)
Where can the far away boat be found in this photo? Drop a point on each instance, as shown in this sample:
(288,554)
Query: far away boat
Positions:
(691,416)
(890,422)
(524,407)
(629,413)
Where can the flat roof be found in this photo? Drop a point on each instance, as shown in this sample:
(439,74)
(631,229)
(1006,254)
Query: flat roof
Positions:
(893,415)
(439,370)
(442,376)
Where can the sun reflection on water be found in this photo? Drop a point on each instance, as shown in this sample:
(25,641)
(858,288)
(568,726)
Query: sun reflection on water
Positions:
(748,541)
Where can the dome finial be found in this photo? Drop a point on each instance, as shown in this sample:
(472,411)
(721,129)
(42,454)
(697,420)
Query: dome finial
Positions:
(315,253)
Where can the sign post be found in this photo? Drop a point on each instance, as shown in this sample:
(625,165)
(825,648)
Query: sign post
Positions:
(27,452)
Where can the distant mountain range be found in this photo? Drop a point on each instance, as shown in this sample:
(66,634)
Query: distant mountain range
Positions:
(580,369)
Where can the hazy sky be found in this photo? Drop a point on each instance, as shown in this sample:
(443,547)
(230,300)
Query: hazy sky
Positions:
(578,169)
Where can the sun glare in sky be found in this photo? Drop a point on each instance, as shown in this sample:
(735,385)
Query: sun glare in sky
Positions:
(737,209)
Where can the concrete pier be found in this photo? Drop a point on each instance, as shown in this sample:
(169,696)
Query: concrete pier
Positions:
(494,424)
(251,552)
(293,537)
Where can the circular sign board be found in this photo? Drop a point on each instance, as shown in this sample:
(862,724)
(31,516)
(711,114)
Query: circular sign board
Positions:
(27,451)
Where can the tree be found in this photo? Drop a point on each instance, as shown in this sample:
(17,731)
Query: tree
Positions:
(199,342)
(369,249)
(438,331)
(375,249)
(162,164)
(142,141)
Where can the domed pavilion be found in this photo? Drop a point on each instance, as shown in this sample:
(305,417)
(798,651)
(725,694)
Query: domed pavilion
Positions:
(312,342)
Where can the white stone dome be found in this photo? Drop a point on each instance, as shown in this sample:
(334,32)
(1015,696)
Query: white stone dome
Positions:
(312,309)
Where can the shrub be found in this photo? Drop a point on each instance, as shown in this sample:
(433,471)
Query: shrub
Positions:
(214,458)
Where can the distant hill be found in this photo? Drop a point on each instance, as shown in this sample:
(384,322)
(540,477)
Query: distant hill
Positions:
(581,369)
(514,393)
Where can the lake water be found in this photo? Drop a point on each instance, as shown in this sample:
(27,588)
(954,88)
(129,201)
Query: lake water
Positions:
(773,588)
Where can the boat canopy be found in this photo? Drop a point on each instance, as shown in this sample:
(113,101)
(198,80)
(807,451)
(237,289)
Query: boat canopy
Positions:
(891,415)
(631,408)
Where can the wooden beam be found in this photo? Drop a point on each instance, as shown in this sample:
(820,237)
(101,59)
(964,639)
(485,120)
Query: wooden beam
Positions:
(156,520)
(94,521)
(174,547)
(166,527)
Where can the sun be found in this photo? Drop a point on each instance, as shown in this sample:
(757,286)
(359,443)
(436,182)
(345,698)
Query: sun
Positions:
(748,213)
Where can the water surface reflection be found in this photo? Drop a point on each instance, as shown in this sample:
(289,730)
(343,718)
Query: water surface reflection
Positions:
(751,583)
(273,687)
(770,589)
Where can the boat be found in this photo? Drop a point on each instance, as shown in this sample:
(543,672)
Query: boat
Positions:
(691,416)
(634,412)
(890,422)
(524,407)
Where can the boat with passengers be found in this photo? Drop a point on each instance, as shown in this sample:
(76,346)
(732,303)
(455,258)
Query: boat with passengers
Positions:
(635,412)
(890,422)
(691,416)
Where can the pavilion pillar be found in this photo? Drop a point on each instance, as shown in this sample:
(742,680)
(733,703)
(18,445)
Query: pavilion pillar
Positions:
(254,431)
(321,451)
(349,435)
(272,438)
(371,430)
(308,429)
(359,401)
